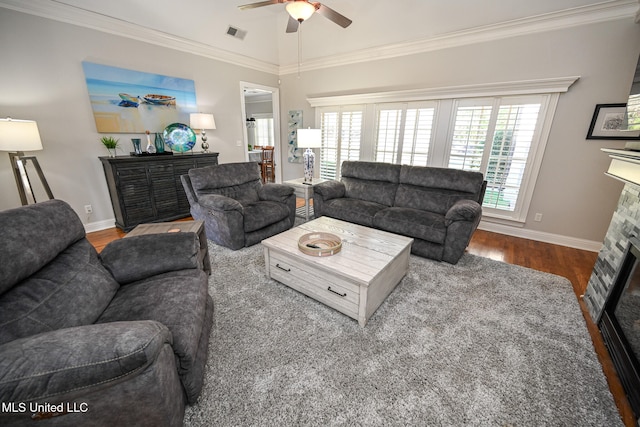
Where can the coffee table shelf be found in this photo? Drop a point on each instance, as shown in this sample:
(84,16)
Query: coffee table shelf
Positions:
(354,281)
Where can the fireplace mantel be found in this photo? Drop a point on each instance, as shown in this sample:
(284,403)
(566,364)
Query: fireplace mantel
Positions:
(625,165)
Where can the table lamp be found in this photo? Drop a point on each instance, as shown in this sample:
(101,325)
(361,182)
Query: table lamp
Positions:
(202,121)
(309,138)
(18,136)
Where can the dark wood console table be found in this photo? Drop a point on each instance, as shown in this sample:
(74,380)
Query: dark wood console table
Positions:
(148,188)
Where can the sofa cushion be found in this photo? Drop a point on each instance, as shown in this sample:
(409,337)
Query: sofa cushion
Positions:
(260,214)
(71,290)
(177,299)
(436,189)
(414,223)
(371,181)
(28,224)
(352,210)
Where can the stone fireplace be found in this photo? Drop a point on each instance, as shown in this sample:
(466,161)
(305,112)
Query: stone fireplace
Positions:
(613,293)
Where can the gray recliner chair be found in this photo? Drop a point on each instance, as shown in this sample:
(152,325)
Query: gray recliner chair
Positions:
(237,209)
(86,339)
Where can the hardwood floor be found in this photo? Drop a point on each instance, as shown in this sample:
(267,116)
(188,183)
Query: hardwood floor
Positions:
(574,264)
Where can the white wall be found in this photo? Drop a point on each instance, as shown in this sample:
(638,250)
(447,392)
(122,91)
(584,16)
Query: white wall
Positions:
(41,78)
(574,196)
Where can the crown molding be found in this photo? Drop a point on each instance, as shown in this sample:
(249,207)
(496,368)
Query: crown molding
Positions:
(601,12)
(522,87)
(52,9)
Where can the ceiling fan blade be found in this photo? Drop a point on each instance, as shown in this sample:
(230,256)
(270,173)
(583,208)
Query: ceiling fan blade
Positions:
(332,15)
(292,25)
(260,4)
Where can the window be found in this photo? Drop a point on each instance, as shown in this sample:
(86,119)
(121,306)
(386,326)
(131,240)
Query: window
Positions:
(341,137)
(469,135)
(403,133)
(495,136)
(264,129)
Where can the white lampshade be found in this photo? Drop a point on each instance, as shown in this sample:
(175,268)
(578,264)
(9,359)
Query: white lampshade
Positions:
(309,138)
(300,10)
(19,135)
(202,121)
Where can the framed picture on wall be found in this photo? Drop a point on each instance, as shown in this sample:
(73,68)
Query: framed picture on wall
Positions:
(129,101)
(608,123)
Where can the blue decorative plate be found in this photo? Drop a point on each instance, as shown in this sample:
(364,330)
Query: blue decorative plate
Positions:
(179,137)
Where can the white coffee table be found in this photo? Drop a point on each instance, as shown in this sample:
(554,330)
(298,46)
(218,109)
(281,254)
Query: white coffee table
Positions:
(354,281)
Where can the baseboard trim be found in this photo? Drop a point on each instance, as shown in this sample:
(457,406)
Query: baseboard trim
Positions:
(99,225)
(541,236)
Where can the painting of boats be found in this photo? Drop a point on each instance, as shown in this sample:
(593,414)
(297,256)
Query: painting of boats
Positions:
(128,101)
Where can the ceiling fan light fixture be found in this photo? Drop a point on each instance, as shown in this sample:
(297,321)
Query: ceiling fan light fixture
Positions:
(300,10)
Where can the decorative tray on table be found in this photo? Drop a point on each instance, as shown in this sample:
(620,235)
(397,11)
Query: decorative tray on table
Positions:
(320,244)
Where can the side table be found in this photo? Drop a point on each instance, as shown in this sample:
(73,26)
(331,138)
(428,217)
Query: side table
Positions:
(183,226)
(304,191)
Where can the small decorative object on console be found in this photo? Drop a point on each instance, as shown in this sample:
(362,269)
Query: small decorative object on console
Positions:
(111,144)
(320,244)
(136,146)
(159,143)
(151,149)
(179,137)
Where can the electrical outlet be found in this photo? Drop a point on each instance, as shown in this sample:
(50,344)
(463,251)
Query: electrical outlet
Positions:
(239,143)
(88,209)
(538,217)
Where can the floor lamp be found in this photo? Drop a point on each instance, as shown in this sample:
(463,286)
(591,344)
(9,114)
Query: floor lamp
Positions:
(309,138)
(18,136)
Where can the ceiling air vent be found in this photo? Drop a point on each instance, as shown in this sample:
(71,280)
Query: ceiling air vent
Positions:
(236,32)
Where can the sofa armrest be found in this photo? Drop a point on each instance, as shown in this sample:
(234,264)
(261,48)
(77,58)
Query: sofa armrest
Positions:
(139,257)
(330,190)
(79,360)
(463,210)
(218,202)
(275,192)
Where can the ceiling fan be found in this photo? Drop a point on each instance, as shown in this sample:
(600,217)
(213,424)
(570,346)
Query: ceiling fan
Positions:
(301,10)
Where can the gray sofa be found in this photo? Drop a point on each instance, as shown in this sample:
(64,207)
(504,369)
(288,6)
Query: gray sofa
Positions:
(237,209)
(114,339)
(439,208)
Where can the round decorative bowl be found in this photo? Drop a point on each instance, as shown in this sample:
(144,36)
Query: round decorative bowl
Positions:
(320,244)
(179,137)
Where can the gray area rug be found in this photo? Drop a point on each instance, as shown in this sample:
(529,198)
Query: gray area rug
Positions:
(478,343)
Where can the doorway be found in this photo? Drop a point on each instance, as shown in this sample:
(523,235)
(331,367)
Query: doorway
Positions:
(261,111)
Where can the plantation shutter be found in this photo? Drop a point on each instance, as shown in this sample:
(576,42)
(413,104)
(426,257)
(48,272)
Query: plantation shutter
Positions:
(495,137)
(388,134)
(417,136)
(512,139)
(403,133)
(469,136)
(341,138)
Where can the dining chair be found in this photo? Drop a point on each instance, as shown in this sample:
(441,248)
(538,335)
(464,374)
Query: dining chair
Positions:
(268,164)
